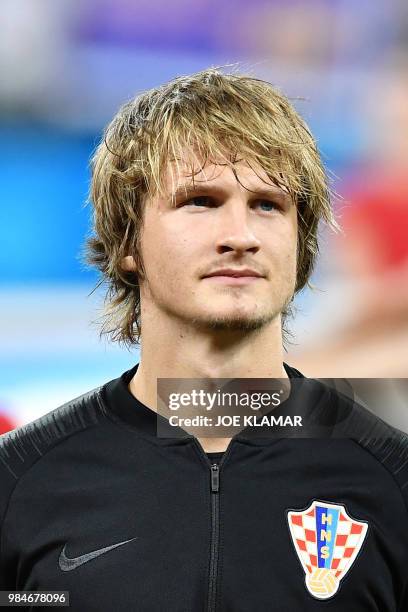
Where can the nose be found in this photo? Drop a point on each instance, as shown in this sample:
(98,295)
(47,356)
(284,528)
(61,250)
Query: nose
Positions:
(234,230)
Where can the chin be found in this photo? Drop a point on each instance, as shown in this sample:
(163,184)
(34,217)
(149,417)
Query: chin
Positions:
(234,322)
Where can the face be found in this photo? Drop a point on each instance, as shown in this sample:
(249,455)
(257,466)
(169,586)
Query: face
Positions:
(195,241)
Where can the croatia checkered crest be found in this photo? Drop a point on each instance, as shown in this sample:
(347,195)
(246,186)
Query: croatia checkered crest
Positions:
(327,541)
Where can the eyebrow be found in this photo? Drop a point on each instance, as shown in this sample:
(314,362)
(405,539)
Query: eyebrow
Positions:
(189,190)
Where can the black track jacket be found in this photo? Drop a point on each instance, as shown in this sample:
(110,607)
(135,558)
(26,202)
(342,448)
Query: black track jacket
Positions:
(94,503)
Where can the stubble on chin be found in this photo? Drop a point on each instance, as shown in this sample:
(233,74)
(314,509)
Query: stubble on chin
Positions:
(233,322)
(240,321)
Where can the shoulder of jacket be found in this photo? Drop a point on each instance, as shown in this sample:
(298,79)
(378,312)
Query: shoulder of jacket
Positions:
(387,444)
(22,447)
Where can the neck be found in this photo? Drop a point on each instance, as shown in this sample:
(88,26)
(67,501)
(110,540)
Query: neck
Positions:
(171,348)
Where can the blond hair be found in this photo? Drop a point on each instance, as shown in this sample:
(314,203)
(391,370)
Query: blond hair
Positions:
(220,117)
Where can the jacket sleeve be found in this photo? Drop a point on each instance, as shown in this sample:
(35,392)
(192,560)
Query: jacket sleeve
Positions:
(8,481)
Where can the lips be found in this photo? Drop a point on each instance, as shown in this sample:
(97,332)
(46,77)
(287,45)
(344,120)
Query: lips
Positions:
(234,273)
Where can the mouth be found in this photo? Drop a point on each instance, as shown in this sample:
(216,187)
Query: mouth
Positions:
(233,280)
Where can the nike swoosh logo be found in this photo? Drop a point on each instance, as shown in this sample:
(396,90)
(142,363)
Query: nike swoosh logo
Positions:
(67,564)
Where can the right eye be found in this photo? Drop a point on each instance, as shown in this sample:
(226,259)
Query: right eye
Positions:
(199,201)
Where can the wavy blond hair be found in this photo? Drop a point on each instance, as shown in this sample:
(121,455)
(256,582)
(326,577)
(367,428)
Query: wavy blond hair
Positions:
(220,117)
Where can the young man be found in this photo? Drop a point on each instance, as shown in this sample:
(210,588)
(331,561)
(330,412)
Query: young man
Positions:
(207,195)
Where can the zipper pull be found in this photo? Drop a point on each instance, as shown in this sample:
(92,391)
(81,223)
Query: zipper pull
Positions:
(215,478)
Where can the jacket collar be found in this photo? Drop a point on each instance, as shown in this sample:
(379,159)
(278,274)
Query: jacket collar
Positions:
(124,407)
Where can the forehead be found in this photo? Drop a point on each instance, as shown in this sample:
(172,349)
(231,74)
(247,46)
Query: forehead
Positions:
(192,170)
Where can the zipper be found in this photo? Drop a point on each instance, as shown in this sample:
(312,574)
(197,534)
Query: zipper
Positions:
(215,521)
(215,536)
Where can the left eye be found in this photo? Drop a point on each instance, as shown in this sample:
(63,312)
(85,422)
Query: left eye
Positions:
(267,205)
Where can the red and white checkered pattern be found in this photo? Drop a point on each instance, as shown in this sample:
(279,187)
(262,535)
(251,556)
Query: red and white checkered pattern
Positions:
(350,536)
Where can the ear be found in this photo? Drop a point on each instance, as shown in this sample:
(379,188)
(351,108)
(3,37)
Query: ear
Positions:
(128,264)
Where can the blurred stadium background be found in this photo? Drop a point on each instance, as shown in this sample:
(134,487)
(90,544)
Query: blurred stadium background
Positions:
(65,67)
